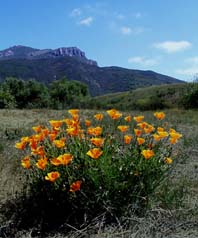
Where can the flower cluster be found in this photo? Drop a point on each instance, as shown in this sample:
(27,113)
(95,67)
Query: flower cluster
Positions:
(65,151)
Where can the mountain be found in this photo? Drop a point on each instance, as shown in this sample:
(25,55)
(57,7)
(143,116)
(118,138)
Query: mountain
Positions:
(24,52)
(47,65)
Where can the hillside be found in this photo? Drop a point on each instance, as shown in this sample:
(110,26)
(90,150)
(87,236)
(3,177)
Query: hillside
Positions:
(48,65)
(148,98)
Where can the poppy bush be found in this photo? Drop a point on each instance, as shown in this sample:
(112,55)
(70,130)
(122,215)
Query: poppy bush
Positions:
(81,167)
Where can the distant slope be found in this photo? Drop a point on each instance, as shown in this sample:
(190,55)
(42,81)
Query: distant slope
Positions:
(148,98)
(48,65)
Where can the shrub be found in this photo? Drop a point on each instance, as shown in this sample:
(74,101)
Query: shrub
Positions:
(151,103)
(190,98)
(79,167)
(6,99)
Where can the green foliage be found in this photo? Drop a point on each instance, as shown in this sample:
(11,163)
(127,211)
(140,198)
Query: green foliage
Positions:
(32,94)
(70,182)
(190,98)
(148,98)
(66,93)
(7,100)
(151,103)
(23,94)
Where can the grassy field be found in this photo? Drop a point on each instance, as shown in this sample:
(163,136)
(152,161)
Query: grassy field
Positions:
(174,215)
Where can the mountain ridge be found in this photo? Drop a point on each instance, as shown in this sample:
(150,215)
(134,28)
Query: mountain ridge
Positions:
(26,52)
(48,65)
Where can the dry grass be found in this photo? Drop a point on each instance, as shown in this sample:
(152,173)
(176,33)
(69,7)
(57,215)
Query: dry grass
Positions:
(177,221)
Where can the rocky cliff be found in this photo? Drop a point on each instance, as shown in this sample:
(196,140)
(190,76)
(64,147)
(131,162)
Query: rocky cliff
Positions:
(25,52)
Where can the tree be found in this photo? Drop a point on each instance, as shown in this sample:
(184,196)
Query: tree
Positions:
(26,94)
(190,98)
(67,93)
(7,100)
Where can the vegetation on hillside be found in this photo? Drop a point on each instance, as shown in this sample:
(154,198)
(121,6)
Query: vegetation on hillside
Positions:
(62,94)
(150,98)
(15,93)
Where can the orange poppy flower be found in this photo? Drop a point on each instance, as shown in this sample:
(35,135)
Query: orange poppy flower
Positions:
(37,129)
(41,163)
(175,135)
(138,132)
(52,176)
(114,114)
(55,161)
(173,141)
(59,143)
(55,123)
(127,139)
(168,160)
(33,143)
(25,162)
(157,137)
(142,125)
(75,186)
(95,153)
(39,151)
(45,132)
(160,129)
(64,159)
(39,137)
(163,134)
(149,129)
(159,115)
(138,119)
(147,154)
(97,141)
(73,111)
(25,139)
(52,136)
(96,131)
(20,145)
(140,141)
(98,116)
(87,123)
(127,118)
(123,128)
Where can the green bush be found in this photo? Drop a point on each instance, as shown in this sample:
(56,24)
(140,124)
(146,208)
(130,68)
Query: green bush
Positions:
(7,100)
(64,93)
(150,103)
(79,168)
(16,93)
(190,98)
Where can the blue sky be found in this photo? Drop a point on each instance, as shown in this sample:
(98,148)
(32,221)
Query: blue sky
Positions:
(158,35)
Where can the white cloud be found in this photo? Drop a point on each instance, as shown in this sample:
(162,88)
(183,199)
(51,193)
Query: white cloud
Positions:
(75,12)
(191,71)
(86,21)
(125,30)
(143,61)
(173,46)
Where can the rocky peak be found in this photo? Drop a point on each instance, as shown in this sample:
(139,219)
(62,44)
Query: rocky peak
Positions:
(69,51)
(19,51)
